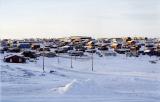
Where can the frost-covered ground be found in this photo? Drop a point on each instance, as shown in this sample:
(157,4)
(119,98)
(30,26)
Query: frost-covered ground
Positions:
(114,79)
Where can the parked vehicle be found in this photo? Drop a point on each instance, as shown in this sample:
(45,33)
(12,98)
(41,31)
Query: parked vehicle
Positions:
(61,50)
(44,49)
(1,50)
(67,47)
(50,54)
(110,53)
(103,47)
(75,53)
(150,49)
(80,48)
(99,54)
(122,51)
(133,51)
(5,48)
(29,54)
(91,50)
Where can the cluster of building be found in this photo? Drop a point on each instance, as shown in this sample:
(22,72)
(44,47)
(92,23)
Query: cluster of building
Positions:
(77,46)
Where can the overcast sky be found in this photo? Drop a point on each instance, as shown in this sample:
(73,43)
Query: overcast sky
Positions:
(97,18)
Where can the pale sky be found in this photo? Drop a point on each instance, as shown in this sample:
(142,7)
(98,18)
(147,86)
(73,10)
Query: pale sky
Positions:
(96,18)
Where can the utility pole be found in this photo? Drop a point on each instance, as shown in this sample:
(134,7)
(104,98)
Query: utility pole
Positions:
(58,54)
(43,57)
(92,61)
(71,62)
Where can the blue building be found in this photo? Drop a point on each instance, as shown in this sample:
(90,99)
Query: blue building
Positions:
(24,46)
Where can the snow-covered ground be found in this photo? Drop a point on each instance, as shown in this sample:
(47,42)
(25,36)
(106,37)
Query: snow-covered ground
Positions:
(114,79)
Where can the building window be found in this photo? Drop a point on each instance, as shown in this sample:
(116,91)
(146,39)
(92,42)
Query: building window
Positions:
(10,60)
(20,60)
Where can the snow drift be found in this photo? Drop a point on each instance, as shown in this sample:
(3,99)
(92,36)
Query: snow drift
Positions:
(82,87)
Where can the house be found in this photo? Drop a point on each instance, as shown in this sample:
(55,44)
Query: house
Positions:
(80,39)
(90,45)
(65,39)
(103,47)
(14,59)
(132,42)
(4,43)
(35,46)
(116,40)
(149,48)
(158,50)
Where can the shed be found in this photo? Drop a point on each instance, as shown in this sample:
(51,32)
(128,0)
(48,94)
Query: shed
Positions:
(14,59)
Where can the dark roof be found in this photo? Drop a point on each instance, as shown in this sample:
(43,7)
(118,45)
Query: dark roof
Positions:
(11,55)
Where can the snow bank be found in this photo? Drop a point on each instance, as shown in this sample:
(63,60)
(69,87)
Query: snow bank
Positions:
(81,87)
